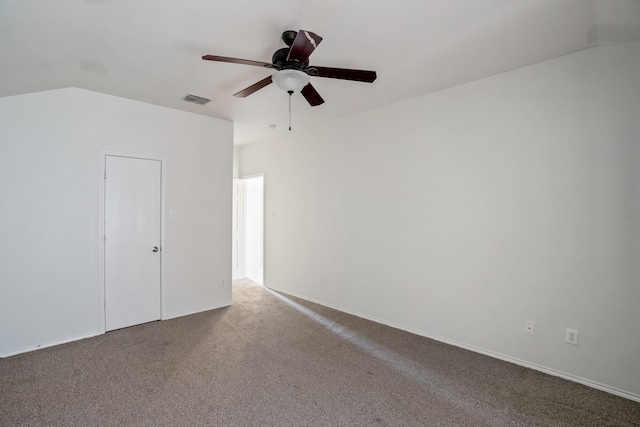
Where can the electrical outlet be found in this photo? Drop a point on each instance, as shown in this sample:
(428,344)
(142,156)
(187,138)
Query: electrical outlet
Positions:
(321,280)
(529,327)
(571,336)
(222,281)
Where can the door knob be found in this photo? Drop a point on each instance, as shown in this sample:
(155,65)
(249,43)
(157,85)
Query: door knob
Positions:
(155,249)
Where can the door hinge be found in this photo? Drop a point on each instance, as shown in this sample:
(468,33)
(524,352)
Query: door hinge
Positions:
(105,174)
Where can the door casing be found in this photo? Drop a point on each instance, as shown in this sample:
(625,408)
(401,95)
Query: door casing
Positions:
(237,233)
(101,234)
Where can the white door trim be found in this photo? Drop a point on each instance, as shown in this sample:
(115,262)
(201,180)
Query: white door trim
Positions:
(238,270)
(101,228)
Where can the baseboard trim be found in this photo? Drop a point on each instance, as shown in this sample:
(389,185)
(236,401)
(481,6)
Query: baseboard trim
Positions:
(584,381)
(49,344)
(81,337)
(175,316)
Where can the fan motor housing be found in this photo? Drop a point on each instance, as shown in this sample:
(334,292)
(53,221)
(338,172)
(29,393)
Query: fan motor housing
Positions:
(280,56)
(279,59)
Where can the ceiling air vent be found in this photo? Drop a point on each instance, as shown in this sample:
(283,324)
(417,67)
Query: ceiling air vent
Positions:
(196,99)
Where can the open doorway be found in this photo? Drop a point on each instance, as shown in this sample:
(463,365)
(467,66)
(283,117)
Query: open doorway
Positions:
(254,228)
(248,229)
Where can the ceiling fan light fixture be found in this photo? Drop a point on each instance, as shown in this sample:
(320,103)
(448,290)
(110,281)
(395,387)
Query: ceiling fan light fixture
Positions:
(292,68)
(291,80)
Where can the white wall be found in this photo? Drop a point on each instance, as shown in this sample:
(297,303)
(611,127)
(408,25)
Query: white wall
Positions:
(236,163)
(463,213)
(50,179)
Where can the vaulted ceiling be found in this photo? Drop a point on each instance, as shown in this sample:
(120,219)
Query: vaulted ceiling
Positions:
(150,50)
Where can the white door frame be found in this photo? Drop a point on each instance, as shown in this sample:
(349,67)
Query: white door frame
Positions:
(101,228)
(238,231)
(264,230)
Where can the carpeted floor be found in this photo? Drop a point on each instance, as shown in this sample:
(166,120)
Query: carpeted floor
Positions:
(275,360)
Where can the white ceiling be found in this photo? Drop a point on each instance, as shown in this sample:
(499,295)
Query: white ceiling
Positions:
(150,50)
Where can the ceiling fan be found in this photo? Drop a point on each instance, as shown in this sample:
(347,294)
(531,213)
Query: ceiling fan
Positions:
(293,69)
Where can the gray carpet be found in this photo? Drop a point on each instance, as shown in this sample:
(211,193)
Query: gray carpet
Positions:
(274,360)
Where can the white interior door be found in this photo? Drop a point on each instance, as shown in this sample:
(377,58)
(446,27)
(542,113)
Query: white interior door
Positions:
(132,241)
(237,234)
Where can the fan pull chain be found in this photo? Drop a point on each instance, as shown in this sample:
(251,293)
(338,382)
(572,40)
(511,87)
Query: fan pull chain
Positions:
(290,93)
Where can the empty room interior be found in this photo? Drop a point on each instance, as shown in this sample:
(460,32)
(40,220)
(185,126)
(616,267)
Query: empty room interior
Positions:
(320,213)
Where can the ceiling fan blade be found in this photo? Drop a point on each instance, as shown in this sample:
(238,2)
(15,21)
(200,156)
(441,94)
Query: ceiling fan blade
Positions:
(253,88)
(342,73)
(311,95)
(237,61)
(304,43)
